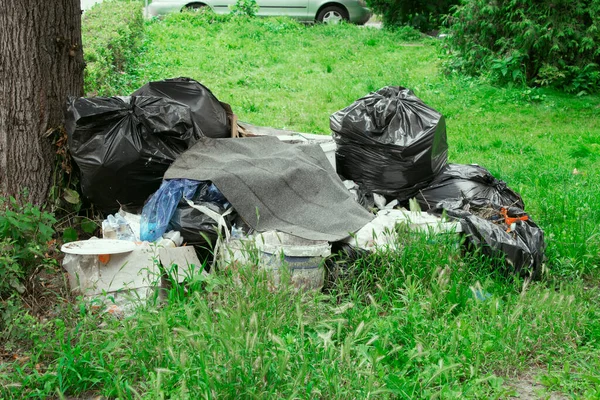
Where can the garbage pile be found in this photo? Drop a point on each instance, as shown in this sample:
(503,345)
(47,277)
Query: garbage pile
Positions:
(190,173)
(392,148)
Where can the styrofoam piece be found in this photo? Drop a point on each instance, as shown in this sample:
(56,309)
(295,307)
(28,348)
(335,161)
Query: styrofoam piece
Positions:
(184,258)
(128,271)
(98,246)
(380,232)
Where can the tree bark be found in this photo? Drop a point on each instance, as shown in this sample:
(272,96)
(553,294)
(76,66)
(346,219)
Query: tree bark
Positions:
(41,64)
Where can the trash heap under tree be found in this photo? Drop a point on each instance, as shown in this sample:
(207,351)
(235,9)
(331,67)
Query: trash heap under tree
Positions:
(175,154)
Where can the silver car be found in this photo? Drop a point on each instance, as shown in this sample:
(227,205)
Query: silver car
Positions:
(326,11)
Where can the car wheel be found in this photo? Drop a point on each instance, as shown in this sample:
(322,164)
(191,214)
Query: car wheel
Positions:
(194,7)
(332,15)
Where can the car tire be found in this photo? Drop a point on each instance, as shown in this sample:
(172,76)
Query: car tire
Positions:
(194,7)
(332,15)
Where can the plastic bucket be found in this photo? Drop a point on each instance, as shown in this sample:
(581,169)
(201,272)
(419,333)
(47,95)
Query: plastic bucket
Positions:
(280,254)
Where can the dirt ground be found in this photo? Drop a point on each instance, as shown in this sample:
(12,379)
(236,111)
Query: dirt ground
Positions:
(527,387)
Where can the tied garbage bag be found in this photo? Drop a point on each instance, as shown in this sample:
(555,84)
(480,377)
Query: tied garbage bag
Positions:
(470,182)
(124,145)
(501,233)
(390,142)
(209,114)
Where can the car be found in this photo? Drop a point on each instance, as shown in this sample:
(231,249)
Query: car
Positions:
(326,11)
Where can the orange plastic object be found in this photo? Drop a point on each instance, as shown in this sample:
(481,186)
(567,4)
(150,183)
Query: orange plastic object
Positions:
(104,258)
(511,220)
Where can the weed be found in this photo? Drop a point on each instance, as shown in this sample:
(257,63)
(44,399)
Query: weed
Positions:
(247,8)
(25,233)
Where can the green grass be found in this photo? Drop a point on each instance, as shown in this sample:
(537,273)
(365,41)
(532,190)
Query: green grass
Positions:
(405,324)
(109,52)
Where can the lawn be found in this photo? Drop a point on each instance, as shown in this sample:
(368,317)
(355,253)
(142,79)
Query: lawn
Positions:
(425,321)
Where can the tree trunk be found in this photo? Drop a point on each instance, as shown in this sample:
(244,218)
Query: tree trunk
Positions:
(41,63)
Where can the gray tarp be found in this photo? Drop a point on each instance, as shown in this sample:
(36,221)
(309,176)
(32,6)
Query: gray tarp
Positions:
(276,186)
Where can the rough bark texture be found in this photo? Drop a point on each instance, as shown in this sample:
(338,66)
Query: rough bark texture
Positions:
(41,63)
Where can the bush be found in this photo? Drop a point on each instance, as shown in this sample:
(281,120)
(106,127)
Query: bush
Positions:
(112,34)
(423,15)
(245,7)
(545,43)
(24,235)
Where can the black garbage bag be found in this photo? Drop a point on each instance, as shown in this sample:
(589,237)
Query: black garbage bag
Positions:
(390,142)
(457,181)
(197,228)
(340,266)
(208,112)
(500,232)
(124,145)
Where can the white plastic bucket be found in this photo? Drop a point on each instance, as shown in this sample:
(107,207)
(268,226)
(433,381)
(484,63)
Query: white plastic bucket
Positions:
(280,253)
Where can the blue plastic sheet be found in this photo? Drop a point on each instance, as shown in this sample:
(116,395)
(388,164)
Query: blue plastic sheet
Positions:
(159,210)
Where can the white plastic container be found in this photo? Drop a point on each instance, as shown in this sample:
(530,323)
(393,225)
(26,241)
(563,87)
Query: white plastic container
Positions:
(279,254)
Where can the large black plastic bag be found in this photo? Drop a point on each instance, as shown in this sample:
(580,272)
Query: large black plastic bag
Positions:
(457,181)
(207,111)
(390,142)
(520,244)
(124,145)
(197,228)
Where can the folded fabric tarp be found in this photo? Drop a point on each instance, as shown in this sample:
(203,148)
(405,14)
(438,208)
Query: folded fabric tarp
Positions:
(276,186)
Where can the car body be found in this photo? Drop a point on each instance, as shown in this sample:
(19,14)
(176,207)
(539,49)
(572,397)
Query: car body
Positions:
(328,11)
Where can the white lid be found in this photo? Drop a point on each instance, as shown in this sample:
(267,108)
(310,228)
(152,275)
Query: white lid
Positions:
(98,246)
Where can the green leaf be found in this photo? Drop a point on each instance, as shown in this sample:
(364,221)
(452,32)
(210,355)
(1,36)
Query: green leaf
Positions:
(89,226)
(71,196)
(69,235)
(516,74)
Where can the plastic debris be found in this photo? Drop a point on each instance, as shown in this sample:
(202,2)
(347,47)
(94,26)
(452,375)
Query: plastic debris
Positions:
(159,209)
(116,227)
(470,182)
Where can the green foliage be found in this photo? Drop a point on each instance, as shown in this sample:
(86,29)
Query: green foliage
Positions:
(545,43)
(423,15)
(247,8)
(419,322)
(25,231)
(111,45)
(422,321)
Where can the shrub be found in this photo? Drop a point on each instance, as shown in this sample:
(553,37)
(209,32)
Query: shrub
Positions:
(25,231)
(545,42)
(112,34)
(423,15)
(245,7)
